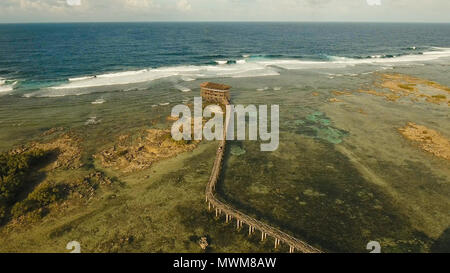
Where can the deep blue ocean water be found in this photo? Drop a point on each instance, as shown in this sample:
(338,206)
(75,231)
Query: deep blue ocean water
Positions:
(40,55)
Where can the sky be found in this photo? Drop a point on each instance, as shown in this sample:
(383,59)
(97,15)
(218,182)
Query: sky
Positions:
(13,11)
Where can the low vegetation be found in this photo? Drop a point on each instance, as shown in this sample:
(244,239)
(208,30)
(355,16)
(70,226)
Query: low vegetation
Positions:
(38,201)
(13,177)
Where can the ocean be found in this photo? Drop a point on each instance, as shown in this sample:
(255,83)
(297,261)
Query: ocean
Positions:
(64,58)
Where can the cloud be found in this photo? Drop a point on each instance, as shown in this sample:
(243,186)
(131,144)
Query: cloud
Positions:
(374,2)
(223,10)
(184,5)
(74,2)
(139,3)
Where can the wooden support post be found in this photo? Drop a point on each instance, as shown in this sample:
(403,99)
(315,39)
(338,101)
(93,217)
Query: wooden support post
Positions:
(209,206)
(262,236)
(276,243)
(249,230)
(217,213)
(226,218)
(237,224)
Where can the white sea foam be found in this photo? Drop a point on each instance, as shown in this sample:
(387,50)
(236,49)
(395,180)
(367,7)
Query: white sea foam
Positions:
(80,78)
(118,78)
(98,101)
(182,88)
(187,78)
(6,88)
(338,62)
(245,68)
(187,73)
(92,121)
(51,93)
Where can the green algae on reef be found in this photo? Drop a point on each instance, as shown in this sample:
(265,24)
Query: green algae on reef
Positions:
(319,126)
(237,150)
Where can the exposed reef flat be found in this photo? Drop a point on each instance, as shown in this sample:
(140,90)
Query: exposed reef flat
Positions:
(429,140)
(65,146)
(132,153)
(399,86)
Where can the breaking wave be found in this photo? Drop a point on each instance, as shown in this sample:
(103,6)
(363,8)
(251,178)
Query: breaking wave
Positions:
(186,73)
(250,66)
(6,86)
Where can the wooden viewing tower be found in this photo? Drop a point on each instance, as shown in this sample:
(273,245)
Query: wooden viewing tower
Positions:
(215,92)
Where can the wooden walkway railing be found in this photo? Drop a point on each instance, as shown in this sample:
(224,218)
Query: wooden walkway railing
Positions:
(241,218)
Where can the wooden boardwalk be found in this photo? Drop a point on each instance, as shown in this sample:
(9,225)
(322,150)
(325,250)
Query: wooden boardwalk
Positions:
(241,218)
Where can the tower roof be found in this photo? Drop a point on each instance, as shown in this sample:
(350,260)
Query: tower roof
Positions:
(215,86)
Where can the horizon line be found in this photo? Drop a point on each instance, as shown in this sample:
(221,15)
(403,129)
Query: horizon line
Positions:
(237,21)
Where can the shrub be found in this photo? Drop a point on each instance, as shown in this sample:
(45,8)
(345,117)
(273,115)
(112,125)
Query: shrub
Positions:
(13,171)
(41,197)
(3,212)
